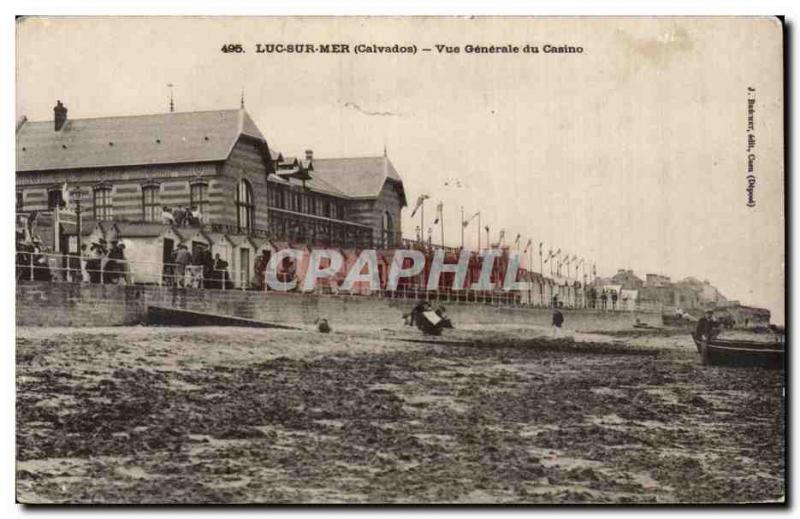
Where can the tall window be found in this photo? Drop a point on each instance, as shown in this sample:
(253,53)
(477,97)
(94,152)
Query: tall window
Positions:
(388,229)
(150,206)
(19,201)
(198,198)
(244,205)
(102,203)
(55,198)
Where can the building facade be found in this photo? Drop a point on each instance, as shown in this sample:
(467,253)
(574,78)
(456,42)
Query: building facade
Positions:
(217,162)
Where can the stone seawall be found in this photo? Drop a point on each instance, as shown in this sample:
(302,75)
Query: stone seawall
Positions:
(65,304)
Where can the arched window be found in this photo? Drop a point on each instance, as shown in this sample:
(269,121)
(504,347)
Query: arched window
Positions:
(244,205)
(198,198)
(387,230)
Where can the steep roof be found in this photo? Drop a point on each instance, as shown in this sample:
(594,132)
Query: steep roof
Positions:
(136,140)
(357,177)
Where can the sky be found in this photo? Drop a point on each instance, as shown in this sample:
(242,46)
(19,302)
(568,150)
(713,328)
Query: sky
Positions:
(631,154)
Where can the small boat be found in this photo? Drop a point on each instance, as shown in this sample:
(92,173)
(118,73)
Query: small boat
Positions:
(727,352)
(430,322)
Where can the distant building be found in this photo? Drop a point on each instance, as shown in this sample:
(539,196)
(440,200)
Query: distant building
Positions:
(657,280)
(627,279)
(706,293)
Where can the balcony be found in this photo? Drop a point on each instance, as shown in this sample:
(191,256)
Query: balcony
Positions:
(290,226)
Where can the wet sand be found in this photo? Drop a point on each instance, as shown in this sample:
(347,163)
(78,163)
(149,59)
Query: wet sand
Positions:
(234,415)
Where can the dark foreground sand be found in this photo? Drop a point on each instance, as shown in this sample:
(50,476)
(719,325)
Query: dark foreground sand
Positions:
(169,415)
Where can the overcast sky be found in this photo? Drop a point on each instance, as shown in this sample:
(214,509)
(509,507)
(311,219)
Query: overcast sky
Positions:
(631,154)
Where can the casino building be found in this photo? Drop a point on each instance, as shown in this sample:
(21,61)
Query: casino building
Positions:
(128,167)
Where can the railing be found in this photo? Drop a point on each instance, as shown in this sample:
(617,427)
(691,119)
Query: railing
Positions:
(37,266)
(233,229)
(285,225)
(50,267)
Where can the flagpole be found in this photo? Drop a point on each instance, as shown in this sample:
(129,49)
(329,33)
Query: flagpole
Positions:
(479,232)
(462,227)
(56,227)
(541,270)
(422,221)
(530,260)
(441,223)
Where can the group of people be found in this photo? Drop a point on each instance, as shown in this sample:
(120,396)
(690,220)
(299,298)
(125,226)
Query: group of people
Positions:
(99,262)
(603,300)
(198,269)
(31,259)
(181,216)
(104,262)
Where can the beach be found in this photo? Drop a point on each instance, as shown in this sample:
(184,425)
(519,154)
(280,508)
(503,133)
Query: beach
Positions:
(502,415)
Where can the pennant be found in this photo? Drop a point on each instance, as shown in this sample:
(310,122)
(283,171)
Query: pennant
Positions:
(420,200)
(527,246)
(439,208)
(468,220)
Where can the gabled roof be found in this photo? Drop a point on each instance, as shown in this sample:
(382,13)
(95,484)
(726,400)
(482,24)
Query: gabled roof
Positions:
(358,177)
(217,237)
(169,138)
(141,229)
(193,233)
(239,240)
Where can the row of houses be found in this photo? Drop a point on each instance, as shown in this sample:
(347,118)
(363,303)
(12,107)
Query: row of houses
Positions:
(658,293)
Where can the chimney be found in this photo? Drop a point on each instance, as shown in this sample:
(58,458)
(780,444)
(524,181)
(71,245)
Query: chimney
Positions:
(60,113)
(309,155)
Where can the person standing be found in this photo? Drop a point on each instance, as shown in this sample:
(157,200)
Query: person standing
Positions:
(221,272)
(166,216)
(182,259)
(706,326)
(179,215)
(558,320)
(111,269)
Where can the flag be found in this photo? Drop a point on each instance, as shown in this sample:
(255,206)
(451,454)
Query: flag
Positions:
(486,228)
(65,195)
(502,235)
(527,245)
(420,200)
(466,222)
(516,240)
(439,208)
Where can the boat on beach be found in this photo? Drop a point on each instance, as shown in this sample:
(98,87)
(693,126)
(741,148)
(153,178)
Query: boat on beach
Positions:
(730,352)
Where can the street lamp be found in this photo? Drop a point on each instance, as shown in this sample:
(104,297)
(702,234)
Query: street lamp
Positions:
(75,196)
